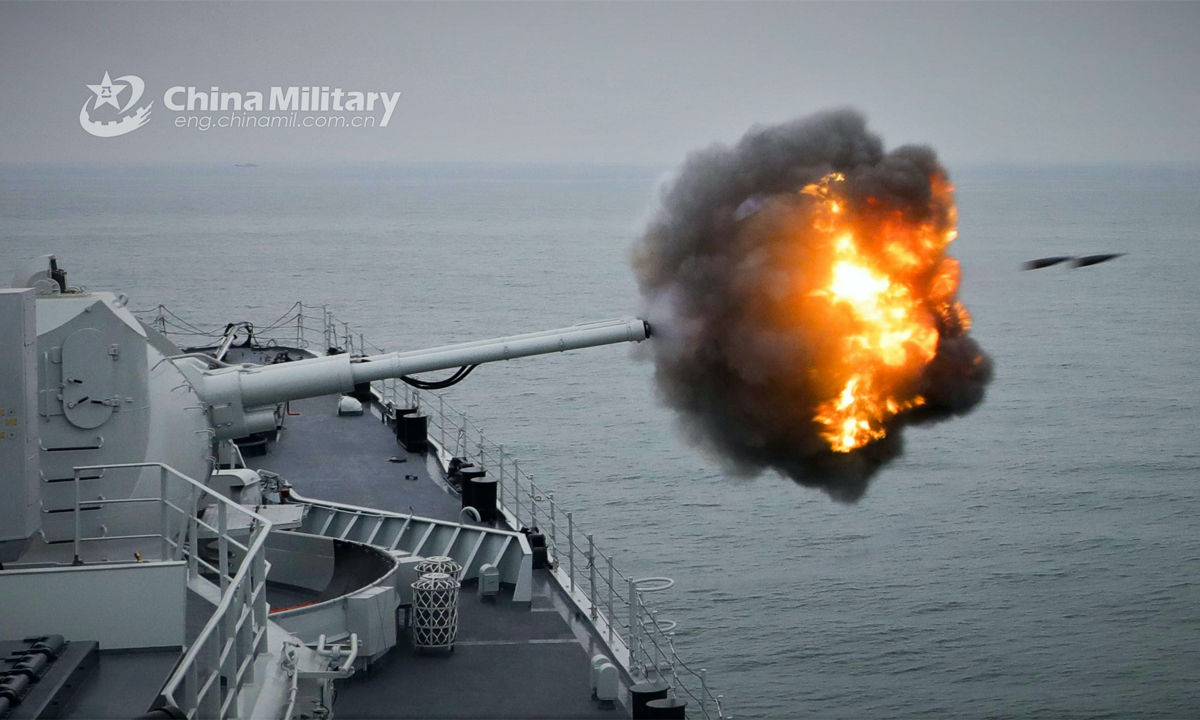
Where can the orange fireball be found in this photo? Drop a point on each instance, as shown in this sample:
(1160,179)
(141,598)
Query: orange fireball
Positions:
(890,287)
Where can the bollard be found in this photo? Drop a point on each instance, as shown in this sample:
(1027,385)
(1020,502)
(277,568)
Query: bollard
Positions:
(483,496)
(667,709)
(642,693)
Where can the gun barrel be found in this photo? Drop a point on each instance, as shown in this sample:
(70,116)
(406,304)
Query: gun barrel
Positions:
(238,396)
(508,348)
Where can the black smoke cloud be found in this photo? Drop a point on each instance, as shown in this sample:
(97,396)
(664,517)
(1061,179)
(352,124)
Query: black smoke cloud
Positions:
(714,272)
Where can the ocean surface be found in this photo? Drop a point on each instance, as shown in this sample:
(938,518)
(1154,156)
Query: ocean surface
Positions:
(1037,559)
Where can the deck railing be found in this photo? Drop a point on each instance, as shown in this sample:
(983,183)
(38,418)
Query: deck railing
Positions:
(614,602)
(207,681)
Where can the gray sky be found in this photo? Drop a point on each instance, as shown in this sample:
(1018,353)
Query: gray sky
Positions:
(615,82)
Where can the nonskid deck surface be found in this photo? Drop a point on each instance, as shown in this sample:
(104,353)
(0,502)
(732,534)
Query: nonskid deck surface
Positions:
(511,660)
(347,459)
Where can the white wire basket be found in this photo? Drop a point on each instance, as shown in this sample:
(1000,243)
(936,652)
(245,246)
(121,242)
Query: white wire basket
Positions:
(438,564)
(435,611)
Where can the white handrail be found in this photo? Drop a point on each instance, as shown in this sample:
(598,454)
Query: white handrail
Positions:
(238,624)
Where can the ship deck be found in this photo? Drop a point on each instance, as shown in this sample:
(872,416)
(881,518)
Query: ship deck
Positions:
(512,660)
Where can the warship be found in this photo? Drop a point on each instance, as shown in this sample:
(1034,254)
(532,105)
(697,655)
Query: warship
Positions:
(218,520)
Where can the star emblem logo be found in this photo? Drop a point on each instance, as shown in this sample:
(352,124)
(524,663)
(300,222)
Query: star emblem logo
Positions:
(106,92)
(109,92)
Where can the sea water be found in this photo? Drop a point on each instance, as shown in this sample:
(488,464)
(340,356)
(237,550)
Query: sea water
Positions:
(1038,558)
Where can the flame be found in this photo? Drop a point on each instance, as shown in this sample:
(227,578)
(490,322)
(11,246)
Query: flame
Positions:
(890,294)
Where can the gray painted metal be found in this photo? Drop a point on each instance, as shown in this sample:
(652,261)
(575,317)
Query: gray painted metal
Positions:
(18,403)
(424,536)
(95,601)
(238,396)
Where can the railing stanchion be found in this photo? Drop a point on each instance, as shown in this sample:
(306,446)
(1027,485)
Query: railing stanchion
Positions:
(571,548)
(258,583)
(245,637)
(647,627)
(516,473)
(674,660)
(633,623)
(193,544)
(532,504)
(462,436)
(193,681)
(230,632)
(612,590)
(223,546)
(500,482)
(703,692)
(78,524)
(553,526)
(162,512)
(592,575)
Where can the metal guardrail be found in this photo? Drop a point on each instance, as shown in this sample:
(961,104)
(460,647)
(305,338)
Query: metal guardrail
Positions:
(298,327)
(207,681)
(613,601)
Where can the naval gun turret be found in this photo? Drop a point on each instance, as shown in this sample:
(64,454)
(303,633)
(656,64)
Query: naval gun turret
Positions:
(242,399)
(83,382)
